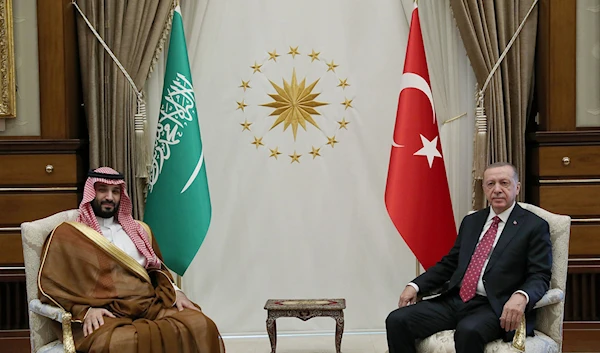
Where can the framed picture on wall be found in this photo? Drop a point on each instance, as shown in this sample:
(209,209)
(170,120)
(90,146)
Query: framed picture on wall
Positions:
(8,89)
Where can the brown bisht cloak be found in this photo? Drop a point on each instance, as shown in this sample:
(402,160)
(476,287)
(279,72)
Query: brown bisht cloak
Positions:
(81,269)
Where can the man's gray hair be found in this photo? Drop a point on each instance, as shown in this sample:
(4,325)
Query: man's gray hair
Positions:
(504,164)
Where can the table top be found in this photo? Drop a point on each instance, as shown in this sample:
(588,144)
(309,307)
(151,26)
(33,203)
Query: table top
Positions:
(305,304)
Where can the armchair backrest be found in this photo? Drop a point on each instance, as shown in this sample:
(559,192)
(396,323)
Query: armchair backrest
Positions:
(33,235)
(550,319)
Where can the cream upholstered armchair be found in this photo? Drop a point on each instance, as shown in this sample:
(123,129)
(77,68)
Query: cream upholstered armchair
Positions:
(43,338)
(548,328)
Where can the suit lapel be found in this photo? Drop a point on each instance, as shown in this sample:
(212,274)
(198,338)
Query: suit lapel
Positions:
(510,231)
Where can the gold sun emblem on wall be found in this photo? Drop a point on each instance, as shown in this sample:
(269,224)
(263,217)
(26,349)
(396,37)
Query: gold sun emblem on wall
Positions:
(294,104)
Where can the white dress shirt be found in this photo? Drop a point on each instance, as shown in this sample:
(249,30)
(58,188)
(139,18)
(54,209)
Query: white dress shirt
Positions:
(113,231)
(488,223)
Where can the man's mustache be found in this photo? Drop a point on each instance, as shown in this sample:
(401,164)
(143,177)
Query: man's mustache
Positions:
(107,202)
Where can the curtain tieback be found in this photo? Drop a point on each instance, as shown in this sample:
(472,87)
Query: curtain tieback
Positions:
(139,122)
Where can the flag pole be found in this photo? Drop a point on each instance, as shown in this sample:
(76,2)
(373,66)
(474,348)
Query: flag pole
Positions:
(418,267)
(178,277)
(417,264)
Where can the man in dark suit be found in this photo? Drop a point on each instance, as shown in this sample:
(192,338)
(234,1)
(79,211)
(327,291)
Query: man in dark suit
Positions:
(499,267)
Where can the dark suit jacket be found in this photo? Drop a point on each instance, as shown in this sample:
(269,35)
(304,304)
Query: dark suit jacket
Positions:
(521,260)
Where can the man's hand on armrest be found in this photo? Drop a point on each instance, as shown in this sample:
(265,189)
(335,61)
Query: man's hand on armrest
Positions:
(513,311)
(93,320)
(183,302)
(408,296)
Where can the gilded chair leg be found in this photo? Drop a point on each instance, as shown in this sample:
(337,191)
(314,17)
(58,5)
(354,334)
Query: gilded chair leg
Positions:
(68,342)
(520,335)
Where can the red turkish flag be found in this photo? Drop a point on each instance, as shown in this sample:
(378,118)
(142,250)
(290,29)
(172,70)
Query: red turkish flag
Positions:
(417,195)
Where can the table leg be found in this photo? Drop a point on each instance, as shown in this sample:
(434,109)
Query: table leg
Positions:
(339,331)
(272,331)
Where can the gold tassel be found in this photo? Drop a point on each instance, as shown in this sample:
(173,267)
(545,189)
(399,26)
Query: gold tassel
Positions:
(479,151)
(141,153)
(68,342)
(520,336)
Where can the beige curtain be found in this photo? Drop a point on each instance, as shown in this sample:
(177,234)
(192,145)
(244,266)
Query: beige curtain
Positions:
(486,27)
(452,83)
(135,31)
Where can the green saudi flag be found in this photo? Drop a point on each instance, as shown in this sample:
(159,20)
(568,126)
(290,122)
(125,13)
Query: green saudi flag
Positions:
(178,205)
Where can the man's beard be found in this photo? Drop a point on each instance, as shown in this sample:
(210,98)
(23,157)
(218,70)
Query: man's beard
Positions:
(98,211)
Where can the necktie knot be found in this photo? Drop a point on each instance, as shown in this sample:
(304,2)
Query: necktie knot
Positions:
(496,220)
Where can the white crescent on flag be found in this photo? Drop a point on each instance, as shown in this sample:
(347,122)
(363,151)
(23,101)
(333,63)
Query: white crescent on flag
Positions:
(194,174)
(412,80)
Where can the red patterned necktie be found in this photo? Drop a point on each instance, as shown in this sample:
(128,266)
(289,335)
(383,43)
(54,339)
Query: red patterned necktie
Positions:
(469,282)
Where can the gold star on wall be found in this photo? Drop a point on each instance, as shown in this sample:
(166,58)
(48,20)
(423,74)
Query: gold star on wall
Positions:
(241,105)
(332,141)
(275,152)
(294,51)
(332,66)
(256,67)
(273,55)
(343,123)
(257,142)
(295,157)
(245,85)
(347,103)
(315,152)
(343,83)
(294,104)
(246,125)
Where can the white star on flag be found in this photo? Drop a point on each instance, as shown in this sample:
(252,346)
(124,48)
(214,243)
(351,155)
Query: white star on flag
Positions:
(429,150)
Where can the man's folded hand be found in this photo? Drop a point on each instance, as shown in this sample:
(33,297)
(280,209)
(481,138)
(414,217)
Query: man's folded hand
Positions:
(408,297)
(512,314)
(93,320)
(183,302)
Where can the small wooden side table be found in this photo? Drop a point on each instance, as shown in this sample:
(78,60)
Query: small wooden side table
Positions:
(305,309)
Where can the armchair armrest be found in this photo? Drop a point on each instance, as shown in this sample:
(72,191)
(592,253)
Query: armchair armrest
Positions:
(45,310)
(553,296)
(56,314)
